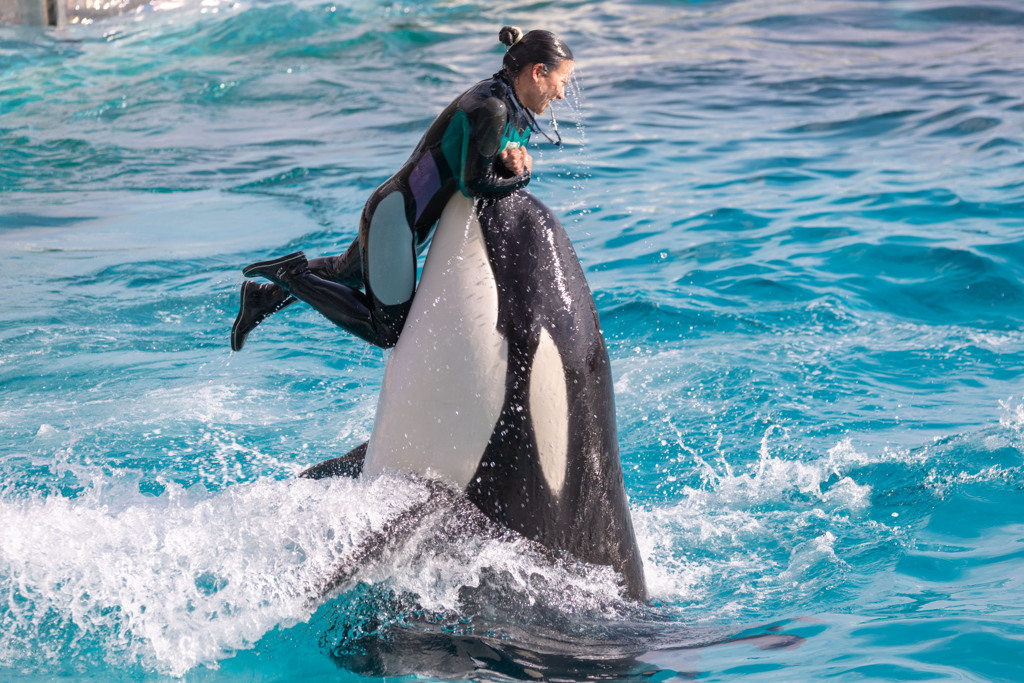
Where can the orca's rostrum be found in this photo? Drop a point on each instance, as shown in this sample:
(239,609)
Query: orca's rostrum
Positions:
(500,383)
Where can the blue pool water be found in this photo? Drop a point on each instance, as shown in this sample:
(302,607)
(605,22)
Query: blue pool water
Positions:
(804,227)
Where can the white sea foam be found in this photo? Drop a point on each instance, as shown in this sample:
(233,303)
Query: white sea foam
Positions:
(188,578)
(767,531)
(179,580)
(1012,417)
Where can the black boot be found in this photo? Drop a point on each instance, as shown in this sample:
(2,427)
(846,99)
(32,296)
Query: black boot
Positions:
(344,306)
(258,300)
(276,270)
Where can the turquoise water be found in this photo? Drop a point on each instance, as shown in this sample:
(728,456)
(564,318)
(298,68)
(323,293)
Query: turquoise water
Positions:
(804,228)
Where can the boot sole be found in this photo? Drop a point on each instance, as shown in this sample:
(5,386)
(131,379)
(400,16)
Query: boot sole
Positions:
(238,334)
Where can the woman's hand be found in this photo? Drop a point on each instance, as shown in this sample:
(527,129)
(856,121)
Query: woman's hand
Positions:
(517,160)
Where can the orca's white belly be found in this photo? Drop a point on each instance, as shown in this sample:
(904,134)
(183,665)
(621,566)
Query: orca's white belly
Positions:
(444,385)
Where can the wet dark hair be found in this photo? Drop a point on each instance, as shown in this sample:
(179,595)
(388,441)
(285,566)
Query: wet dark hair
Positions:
(536,47)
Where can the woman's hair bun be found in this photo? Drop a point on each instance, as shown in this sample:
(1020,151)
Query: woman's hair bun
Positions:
(536,47)
(510,35)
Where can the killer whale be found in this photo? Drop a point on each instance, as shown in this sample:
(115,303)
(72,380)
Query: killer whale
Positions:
(500,383)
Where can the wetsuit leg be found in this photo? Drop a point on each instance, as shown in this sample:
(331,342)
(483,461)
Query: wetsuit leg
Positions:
(388,260)
(345,269)
(258,300)
(344,306)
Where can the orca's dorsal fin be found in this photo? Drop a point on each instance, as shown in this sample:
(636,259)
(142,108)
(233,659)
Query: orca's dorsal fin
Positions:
(348,465)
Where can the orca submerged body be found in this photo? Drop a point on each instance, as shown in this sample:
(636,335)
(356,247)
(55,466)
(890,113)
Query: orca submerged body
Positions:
(500,383)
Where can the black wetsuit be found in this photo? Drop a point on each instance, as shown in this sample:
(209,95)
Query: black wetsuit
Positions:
(459,152)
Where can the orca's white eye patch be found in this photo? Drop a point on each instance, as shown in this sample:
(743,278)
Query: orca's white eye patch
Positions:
(549,411)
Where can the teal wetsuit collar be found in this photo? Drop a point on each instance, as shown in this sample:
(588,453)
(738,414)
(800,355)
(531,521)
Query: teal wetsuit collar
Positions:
(526,113)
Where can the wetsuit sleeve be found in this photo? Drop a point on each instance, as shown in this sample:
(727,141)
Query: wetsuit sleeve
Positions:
(483,173)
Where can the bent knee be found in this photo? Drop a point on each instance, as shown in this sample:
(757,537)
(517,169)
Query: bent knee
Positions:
(388,322)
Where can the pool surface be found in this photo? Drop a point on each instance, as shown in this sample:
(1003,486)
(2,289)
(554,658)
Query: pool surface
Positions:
(803,224)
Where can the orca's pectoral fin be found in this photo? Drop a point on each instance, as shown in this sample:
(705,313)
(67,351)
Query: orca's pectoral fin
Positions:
(394,533)
(348,465)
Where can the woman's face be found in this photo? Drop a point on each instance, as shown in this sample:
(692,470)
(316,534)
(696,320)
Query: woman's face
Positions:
(536,88)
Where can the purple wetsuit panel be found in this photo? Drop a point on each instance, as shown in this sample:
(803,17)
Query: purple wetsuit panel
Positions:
(424,181)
